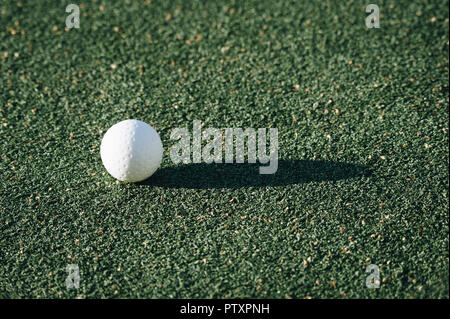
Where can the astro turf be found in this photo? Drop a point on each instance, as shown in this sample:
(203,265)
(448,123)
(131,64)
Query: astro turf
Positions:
(363,123)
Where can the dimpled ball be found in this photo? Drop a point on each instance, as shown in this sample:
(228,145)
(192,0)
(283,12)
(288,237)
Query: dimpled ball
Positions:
(131,151)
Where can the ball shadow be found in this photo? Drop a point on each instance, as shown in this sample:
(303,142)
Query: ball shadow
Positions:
(207,176)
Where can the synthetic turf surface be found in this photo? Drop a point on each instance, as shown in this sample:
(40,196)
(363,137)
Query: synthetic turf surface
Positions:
(363,122)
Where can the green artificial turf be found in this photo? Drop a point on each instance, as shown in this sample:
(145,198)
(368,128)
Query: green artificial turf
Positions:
(363,123)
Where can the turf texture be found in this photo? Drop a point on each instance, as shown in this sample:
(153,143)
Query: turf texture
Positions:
(363,123)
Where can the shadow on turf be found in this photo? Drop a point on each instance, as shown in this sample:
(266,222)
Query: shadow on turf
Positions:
(205,176)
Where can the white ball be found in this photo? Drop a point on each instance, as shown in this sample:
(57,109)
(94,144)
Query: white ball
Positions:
(131,151)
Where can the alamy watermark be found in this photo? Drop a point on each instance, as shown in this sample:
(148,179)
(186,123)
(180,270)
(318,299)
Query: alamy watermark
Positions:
(218,140)
(73,19)
(373,280)
(73,279)
(373,19)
